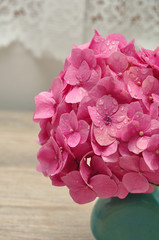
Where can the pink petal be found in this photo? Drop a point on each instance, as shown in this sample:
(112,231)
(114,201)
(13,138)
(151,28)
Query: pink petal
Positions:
(106,105)
(95,116)
(49,159)
(73,180)
(154,127)
(132,145)
(130,163)
(86,147)
(117,37)
(103,150)
(144,121)
(117,62)
(102,47)
(85,171)
(122,192)
(129,130)
(150,189)
(82,112)
(155,97)
(154,112)
(129,49)
(73,139)
(142,143)
(88,55)
(111,149)
(153,144)
(107,83)
(111,158)
(76,57)
(102,137)
(150,85)
(103,186)
(121,114)
(79,191)
(97,92)
(56,180)
(70,75)
(150,159)
(84,72)
(135,90)
(98,165)
(92,81)
(73,120)
(64,124)
(82,196)
(123,149)
(44,106)
(76,95)
(45,132)
(63,107)
(62,141)
(135,183)
(143,166)
(83,130)
(57,88)
(134,107)
(152,176)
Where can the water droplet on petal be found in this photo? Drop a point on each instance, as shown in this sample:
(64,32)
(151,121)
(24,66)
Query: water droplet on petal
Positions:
(120,118)
(100,102)
(119,126)
(125,120)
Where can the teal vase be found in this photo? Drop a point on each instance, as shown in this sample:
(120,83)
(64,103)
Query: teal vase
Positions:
(134,218)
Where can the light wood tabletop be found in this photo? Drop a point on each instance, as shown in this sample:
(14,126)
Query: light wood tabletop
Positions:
(30,207)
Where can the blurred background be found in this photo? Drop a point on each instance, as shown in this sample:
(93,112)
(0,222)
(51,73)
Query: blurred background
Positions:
(36,36)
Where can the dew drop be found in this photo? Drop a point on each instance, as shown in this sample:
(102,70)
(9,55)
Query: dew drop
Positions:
(100,102)
(120,118)
(122,108)
(125,121)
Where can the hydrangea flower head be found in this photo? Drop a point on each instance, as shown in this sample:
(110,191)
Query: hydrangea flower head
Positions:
(99,121)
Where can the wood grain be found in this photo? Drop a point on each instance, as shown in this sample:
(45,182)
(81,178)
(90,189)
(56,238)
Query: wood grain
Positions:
(30,207)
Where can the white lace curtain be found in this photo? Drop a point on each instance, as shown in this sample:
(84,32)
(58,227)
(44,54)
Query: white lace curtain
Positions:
(52,26)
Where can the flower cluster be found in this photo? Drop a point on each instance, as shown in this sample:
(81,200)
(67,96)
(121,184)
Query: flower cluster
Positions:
(99,121)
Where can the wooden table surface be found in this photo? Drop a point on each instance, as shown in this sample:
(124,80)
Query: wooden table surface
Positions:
(30,207)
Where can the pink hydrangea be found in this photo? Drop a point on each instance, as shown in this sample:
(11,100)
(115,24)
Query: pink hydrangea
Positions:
(99,121)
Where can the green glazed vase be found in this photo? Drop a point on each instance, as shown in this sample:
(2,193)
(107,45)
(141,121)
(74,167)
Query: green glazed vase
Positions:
(134,218)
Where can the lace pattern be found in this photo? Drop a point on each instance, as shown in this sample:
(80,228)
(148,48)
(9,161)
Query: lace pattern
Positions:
(51,26)
(137,19)
(48,26)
